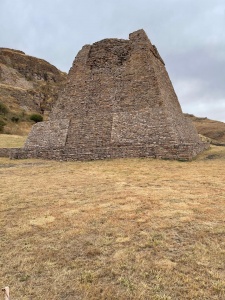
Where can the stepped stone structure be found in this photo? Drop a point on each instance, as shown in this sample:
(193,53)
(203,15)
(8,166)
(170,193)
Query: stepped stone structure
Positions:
(118,102)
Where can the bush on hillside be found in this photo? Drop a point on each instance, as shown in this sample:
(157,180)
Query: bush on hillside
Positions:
(36,118)
(2,124)
(15,119)
(3,109)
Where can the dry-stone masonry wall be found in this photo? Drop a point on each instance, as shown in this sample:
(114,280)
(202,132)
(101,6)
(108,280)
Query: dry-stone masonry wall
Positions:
(118,102)
(6,152)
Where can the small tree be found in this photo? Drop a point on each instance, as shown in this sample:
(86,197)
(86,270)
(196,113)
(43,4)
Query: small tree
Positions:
(36,118)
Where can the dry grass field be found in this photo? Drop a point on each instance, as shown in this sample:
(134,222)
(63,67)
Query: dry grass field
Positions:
(12,141)
(114,229)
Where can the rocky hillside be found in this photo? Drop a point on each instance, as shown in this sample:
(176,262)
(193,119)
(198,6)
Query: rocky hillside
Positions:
(212,129)
(28,84)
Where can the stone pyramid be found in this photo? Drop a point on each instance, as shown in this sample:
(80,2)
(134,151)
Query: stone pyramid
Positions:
(118,102)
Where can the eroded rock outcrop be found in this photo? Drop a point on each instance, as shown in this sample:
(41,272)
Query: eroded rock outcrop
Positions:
(28,83)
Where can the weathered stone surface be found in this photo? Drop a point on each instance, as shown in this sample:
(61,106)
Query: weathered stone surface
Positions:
(48,135)
(118,102)
(6,152)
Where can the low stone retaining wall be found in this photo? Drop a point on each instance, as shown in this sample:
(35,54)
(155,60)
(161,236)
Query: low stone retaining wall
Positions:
(174,152)
(5,152)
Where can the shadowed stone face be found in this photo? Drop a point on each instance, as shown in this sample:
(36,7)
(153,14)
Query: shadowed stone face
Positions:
(118,102)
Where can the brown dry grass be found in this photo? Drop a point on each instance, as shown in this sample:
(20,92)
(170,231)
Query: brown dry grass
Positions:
(21,128)
(12,141)
(114,229)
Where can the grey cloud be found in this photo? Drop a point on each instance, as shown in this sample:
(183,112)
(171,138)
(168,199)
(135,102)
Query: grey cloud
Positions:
(189,35)
(198,78)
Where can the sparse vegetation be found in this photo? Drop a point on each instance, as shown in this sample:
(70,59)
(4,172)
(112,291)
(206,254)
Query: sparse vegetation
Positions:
(114,229)
(3,109)
(2,124)
(15,123)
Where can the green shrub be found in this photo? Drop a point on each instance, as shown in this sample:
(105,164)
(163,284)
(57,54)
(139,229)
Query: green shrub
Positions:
(3,109)
(36,118)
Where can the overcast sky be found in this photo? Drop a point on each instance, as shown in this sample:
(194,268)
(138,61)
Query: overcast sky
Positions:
(189,34)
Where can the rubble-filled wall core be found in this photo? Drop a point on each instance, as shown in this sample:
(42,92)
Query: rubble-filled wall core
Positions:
(118,102)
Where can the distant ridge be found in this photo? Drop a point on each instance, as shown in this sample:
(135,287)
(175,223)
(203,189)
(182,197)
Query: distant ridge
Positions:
(27,85)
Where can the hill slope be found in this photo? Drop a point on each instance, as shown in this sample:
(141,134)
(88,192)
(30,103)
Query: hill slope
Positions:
(28,84)
(212,129)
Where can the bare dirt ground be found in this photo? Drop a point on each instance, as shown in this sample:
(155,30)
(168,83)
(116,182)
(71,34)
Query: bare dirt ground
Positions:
(114,229)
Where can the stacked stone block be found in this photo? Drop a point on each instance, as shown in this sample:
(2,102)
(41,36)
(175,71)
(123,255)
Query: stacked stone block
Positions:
(118,102)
